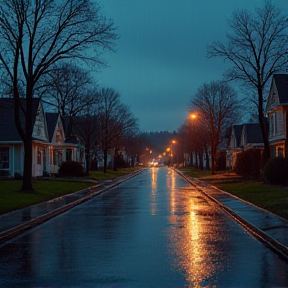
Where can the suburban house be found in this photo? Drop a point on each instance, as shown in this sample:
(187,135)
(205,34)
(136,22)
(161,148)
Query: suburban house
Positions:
(49,149)
(276,109)
(243,137)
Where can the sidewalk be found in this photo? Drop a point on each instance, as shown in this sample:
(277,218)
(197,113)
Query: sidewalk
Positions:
(266,226)
(16,222)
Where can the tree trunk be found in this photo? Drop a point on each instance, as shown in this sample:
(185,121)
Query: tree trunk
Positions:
(286,137)
(88,159)
(213,159)
(105,160)
(27,173)
(201,161)
(207,159)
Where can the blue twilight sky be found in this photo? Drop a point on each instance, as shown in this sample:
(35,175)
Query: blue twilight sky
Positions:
(160,58)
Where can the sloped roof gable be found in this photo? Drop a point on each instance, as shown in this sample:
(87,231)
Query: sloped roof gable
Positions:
(8,130)
(281,82)
(237,131)
(278,94)
(253,133)
(51,119)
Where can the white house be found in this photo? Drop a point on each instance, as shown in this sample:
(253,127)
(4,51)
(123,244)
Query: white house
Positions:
(277,108)
(49,148)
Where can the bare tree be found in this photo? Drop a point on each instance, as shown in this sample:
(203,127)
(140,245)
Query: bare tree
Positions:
(196,137)
(116,120)
(256,47)
(216,107)
(71,90)
(87,129)
(36,34)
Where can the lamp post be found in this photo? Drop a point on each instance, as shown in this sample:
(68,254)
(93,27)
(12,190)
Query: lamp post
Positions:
(172,150)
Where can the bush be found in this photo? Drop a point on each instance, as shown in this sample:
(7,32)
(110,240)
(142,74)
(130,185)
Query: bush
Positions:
(221,162)
(71,168)
(276,171)
(119,162)
(249,163)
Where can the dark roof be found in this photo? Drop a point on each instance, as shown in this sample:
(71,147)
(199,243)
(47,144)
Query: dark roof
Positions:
(51,120)
(8,131)
(253,133)
(238,133)
(281,81)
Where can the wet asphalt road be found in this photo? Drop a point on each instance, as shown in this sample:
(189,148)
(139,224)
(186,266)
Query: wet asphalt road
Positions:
(154,230)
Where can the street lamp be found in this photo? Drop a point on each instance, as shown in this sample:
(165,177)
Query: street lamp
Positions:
(172,149)
(193,116)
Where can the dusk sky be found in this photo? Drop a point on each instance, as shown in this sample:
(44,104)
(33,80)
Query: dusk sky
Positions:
(160,59)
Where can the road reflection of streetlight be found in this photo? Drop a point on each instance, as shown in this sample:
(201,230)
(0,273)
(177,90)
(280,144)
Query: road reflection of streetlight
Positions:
(170,182)
(193,245)
(153,191)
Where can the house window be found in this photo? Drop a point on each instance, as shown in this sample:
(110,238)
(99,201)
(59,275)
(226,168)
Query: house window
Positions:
(280,151)
(39,157)
(57,157)
(4,157)
(58,137)
(273,125)
(68,154)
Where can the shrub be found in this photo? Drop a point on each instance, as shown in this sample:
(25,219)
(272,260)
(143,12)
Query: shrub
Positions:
(71,168)
(119,162)
(276,171)
(221,162)
(248,163)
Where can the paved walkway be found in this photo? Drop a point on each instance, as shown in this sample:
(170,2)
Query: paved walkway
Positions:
(266,226)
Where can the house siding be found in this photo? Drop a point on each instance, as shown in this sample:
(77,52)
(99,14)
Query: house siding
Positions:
(18,159)
(277,113)
(276,125)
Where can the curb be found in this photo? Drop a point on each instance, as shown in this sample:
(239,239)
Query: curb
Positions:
(19,229)
(255,231)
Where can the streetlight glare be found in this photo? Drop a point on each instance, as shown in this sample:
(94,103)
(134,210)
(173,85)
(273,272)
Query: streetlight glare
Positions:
(193,116)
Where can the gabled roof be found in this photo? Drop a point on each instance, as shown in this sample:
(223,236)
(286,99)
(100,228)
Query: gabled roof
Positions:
(51,120)
(253,133)
(8,131)
(237,134)
(281,82)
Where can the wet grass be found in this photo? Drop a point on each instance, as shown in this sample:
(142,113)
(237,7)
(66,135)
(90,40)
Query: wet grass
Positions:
(194,173)
(110,174)
(269,197)
(11,198)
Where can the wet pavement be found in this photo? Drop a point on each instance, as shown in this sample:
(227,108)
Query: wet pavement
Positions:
(265,225)
(268,227)
(155,230)
(16,222)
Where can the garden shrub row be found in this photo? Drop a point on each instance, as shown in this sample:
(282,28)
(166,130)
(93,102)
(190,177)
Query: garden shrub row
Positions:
(249,165)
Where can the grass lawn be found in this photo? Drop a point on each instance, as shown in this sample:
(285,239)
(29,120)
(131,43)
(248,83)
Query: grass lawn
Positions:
(110,174)
(194,173)
(11,198)
(270,197)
